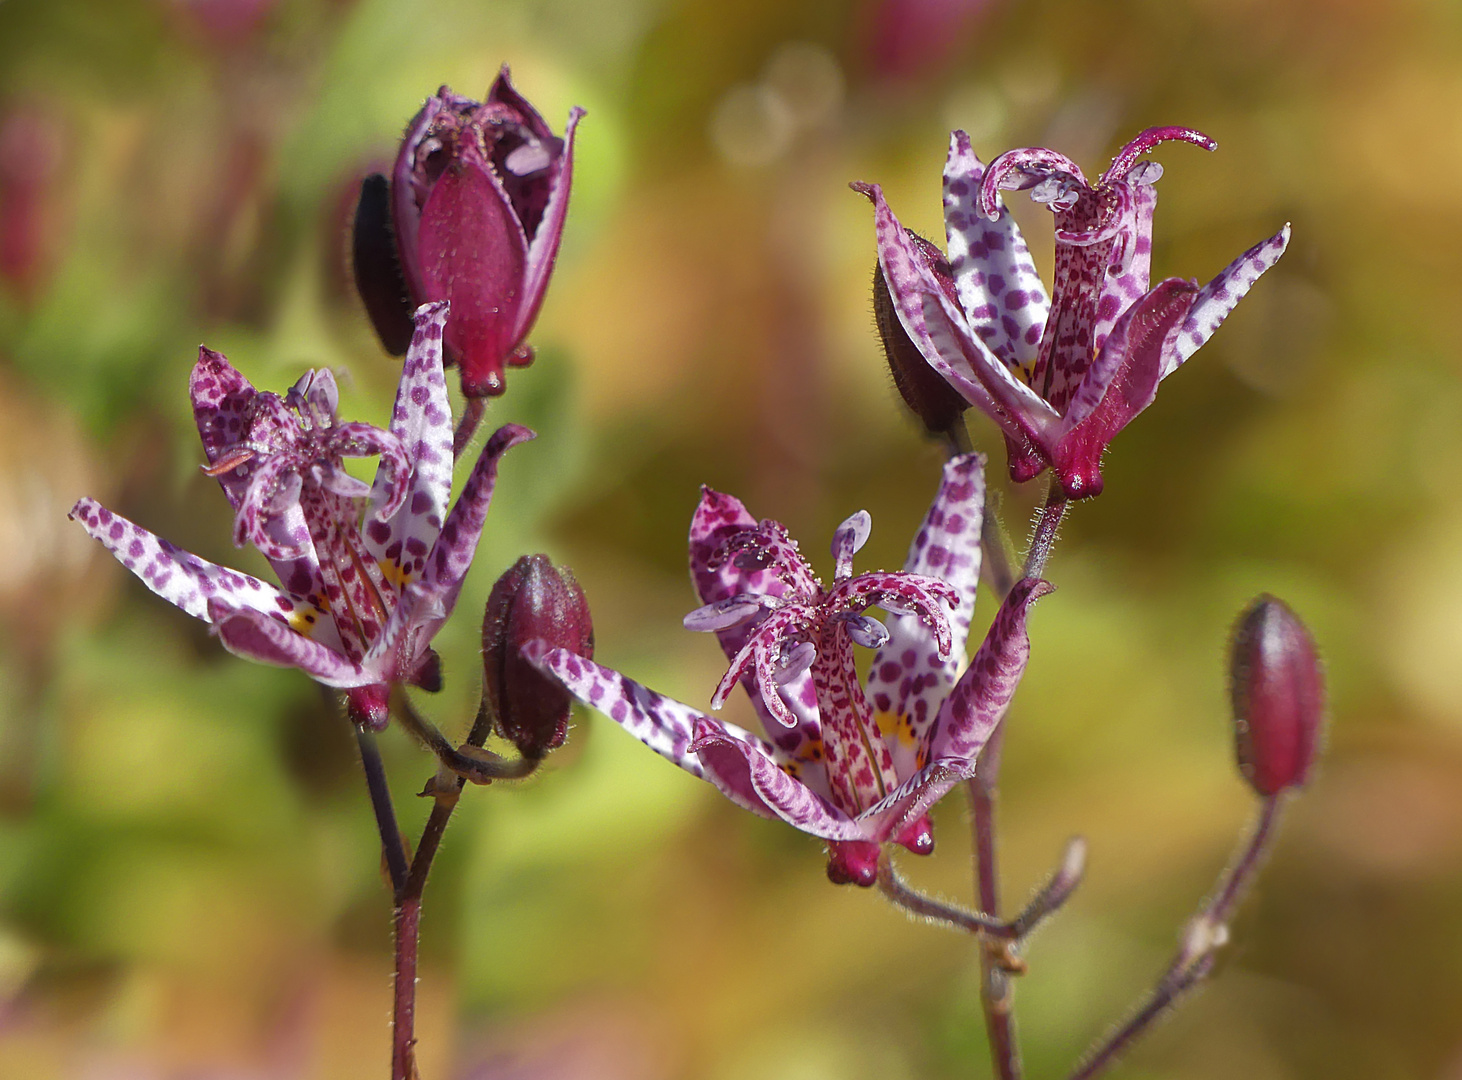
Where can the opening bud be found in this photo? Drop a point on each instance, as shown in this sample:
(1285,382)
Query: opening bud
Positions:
(1278,695)
(533,601)
(938,405)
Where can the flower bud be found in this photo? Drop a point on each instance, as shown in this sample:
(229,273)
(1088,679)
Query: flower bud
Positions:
(478,197)
(1278,696)
(532,601)
(938,405)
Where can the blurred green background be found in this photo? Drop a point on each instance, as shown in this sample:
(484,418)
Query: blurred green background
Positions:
(189,878)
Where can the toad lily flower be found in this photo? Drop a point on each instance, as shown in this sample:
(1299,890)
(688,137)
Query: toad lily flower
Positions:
(1061,376)
(856,766)
(369,572)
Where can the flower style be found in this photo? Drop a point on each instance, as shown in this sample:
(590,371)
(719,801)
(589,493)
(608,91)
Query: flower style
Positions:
(369,572)
(1060,376)
(856,766)
(472,214)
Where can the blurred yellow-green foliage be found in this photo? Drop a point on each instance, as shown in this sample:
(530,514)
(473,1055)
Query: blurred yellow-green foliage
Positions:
(189,878)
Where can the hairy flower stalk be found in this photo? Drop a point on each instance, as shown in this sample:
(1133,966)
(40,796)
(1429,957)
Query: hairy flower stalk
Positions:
(855,765)
(1061,376)
(369,572)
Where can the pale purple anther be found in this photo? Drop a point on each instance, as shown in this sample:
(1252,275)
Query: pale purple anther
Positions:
(1060,376)
(369,573)
(858,766)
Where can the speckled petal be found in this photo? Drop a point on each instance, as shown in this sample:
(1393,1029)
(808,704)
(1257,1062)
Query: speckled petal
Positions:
(662,724)
(744,767)
(221,397)
(268,640)
(909,680)
(1129,268)
(182,578)
(717,518)
(983,693)
(447,563)
(1002,294)
(422,421)
(1216,299)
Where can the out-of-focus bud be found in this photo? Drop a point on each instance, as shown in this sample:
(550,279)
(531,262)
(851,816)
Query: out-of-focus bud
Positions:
(1278,696)
(532,601)
(30,158)
(477,201)
(938,405)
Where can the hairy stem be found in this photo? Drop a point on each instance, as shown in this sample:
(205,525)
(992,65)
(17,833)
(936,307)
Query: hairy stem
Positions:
(1206,933)
(403,1013)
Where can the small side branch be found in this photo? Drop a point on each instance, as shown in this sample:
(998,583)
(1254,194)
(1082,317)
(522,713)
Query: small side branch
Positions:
(1198,952)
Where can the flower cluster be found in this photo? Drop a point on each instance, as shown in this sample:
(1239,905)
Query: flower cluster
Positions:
(369,573)
(1059,375)
(855,765)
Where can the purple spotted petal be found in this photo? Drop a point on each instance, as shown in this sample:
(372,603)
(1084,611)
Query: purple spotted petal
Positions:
(1002,294)
(1126,377)
(221,398)
(1129,269)
(662,724)
(269,640)
(717,518)
(449,559)
(742,766)
(909,679)
(422,421)
(1216,299)
(983,693)
(181,577)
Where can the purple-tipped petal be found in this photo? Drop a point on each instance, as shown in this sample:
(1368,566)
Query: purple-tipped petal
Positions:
(1216,299)
(422,421)
(1145,142)
(848,540)
(998,286)
(449,559)
(980,698)
(1123,381)
(908,679)
(268,640)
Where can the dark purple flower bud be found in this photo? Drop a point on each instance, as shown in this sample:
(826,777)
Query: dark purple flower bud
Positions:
(533,601)
(1278,696)
(938,405)
(478,197)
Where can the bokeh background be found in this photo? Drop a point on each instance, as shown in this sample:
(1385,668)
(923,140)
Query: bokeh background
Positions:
(189,875)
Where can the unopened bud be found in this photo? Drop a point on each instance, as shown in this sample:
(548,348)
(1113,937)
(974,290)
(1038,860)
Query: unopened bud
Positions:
(938,405)
(1278,696)
(532,601)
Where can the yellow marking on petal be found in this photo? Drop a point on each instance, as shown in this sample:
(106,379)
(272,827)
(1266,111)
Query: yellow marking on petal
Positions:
(394,573)
(303,620)
(895,725)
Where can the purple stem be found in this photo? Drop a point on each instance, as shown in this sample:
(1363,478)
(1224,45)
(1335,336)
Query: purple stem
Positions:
(1204,936)
(392,848)
(997,960)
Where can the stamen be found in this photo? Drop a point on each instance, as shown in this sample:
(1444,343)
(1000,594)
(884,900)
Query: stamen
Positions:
(230,461)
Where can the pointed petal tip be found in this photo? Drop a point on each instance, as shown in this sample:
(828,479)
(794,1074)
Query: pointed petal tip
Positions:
(872,191)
